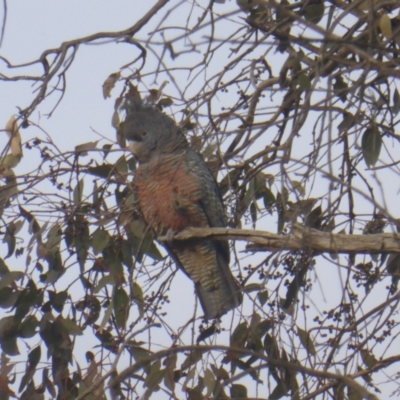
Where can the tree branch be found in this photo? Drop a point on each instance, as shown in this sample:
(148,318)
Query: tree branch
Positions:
(346,380)
(299,238)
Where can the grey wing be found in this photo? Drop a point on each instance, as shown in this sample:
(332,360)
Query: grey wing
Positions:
(211,200)
(206,262)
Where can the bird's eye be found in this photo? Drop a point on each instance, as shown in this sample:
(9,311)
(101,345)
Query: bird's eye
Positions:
(144,134)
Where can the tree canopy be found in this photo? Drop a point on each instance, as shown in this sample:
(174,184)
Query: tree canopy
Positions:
(294,107)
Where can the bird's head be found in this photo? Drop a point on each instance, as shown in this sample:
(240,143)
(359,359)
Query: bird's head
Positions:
(150,132)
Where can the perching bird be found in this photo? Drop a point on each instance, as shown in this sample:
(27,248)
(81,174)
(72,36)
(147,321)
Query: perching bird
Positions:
(176,190)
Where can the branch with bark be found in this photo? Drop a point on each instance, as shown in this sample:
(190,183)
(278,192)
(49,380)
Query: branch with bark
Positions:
(300,237)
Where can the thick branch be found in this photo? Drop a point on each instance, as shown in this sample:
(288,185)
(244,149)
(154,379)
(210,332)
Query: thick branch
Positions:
(299,238)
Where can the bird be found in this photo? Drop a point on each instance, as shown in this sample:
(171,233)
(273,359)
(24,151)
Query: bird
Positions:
(177,190)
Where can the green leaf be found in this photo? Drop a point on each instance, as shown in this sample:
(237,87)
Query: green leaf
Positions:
(260,182)
(253,287)
(263,297)
(137,297)
(28,327)
(271,346)
(314,11)
(33,360)
(354,394)
(152,251)
(280,390)
(34,226)
(299,187)
(245,366)
(293,385)
(253,213)
(239,335)
(102,171)
(262,328)
(3,267)
(100,240)
(10,161)
(71,326)
(57,300)
(8,335)
(107,315)
(10,277)
(9,346)
(189,125)
(230,180)
(69,234)
(347,123)
(244,5)
(27,299)
(10,239)
(121,307)
(121,166)
(82,245)
(255,320)
(396,102)
(165,102)
(10,189)
(34,357)
(340,88)
(127,256)
(220,373)
(306,341)
(106,149)
(281,202)
(116,268)
(269,199)
(115,120)
(209,150)
(249,196)
(105,280)
(313,219)
(393,269)
(193,357)
(209,381)
(371,144)
(78,192)
(206,333)
(138,353)
(8,297)
(238,392)
(304,81)
(53,238)
(368,358)
(155,376)
(170,365)
(82,149)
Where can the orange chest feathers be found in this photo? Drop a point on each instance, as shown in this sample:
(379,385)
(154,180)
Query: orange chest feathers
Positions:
(170,197)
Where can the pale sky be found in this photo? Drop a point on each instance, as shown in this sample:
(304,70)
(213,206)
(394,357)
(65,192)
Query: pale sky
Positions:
(36,25)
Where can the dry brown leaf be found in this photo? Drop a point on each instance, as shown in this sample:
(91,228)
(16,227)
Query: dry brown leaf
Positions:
(91,373)
(12,126)
(365,5)
(13,133)
(109,84)
(155,94)
(115,122)
(4,389)
(385,24)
